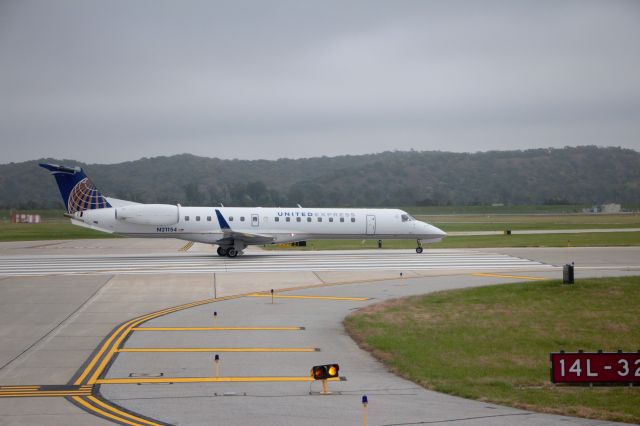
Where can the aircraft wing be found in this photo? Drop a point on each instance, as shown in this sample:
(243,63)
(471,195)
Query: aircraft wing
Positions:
(230,235)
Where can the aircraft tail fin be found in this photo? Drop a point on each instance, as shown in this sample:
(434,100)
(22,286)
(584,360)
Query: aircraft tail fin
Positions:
(77,190)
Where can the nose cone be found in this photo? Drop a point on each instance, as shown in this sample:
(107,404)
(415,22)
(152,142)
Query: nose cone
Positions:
(431,233)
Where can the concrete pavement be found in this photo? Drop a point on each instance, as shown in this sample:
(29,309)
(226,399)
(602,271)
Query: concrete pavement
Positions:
(51,325)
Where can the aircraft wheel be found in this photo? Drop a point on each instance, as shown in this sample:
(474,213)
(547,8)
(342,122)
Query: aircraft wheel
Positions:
(222,251)
(232,252)
(418,250)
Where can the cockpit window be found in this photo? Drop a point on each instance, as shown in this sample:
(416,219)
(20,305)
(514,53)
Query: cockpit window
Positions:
(407,218)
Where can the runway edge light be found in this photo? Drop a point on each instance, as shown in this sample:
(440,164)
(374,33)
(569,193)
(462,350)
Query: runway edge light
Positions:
(216,360)
(365,404)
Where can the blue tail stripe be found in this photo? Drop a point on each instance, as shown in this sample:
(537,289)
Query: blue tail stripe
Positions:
(76,189)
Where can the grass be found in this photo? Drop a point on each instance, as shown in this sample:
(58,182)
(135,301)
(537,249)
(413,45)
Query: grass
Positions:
(46,231)
(531,222)
(493,343)
(484,209)
(594,239)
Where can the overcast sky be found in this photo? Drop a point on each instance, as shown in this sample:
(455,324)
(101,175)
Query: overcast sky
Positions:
(108,81)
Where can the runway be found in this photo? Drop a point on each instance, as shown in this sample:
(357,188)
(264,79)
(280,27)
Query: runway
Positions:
(180,263)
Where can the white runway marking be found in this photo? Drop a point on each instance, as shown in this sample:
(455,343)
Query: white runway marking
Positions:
(259,262)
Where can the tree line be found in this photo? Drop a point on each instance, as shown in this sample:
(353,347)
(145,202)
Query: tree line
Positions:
(571,175)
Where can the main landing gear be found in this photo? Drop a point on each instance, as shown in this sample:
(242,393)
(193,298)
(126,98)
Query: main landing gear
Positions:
(229,252)
(419,248)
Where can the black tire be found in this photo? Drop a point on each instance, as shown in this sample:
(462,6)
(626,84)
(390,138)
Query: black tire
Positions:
(222,251)
(418,250)
(232,252)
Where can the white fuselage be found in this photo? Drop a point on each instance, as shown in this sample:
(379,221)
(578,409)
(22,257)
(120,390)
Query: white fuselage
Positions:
(282,225)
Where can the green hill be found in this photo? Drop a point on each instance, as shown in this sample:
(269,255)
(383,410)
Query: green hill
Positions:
(581,175)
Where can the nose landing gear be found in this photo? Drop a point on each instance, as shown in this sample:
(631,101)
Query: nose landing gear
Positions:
(419,248)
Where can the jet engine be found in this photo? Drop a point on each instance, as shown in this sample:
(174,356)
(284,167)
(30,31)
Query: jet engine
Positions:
(149,214)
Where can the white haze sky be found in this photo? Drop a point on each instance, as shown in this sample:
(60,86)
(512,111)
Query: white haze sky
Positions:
(115,80)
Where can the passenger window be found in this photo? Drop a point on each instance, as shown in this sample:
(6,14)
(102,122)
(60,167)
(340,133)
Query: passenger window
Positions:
(197,218)
(241,218)
(298,219)
(308,219)
(319,219)
(208,218)
(230,218)
(330,219)
(186,218)
(288,219)
(277,219)
(342,219)
(353,219)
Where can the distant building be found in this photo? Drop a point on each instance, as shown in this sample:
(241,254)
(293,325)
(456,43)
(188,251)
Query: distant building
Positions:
(604,208)
(25,218)
(611,208)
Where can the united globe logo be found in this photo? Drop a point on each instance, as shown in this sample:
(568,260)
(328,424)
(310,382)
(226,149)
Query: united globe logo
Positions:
(85,196)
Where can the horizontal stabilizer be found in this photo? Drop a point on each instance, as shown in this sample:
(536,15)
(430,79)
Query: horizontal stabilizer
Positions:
(115,202)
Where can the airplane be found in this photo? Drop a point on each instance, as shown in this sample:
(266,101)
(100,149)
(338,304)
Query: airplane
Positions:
(232,229)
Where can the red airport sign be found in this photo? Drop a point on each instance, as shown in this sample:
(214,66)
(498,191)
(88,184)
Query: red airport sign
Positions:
(595,367)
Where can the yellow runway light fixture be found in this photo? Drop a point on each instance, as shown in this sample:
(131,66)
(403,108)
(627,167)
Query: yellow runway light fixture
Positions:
(324,372)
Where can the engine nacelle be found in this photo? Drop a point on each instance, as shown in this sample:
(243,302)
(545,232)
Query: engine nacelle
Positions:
(149,214)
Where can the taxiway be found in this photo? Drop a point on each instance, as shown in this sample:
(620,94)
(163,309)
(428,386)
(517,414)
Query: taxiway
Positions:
(93,326)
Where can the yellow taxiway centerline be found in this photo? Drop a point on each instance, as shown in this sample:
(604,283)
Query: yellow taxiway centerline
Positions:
(43,395)
(136,380)
(122,419)
(15,388)
(127,327)
(278,296)
(44,390)
(187,246)
(121,413)
(217,328)
(520,277)
(218,350)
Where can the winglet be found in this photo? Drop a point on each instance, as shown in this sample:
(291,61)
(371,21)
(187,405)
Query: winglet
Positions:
(222,221)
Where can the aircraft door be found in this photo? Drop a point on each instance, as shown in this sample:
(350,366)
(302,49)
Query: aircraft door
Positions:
(255,220)
(371,224)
